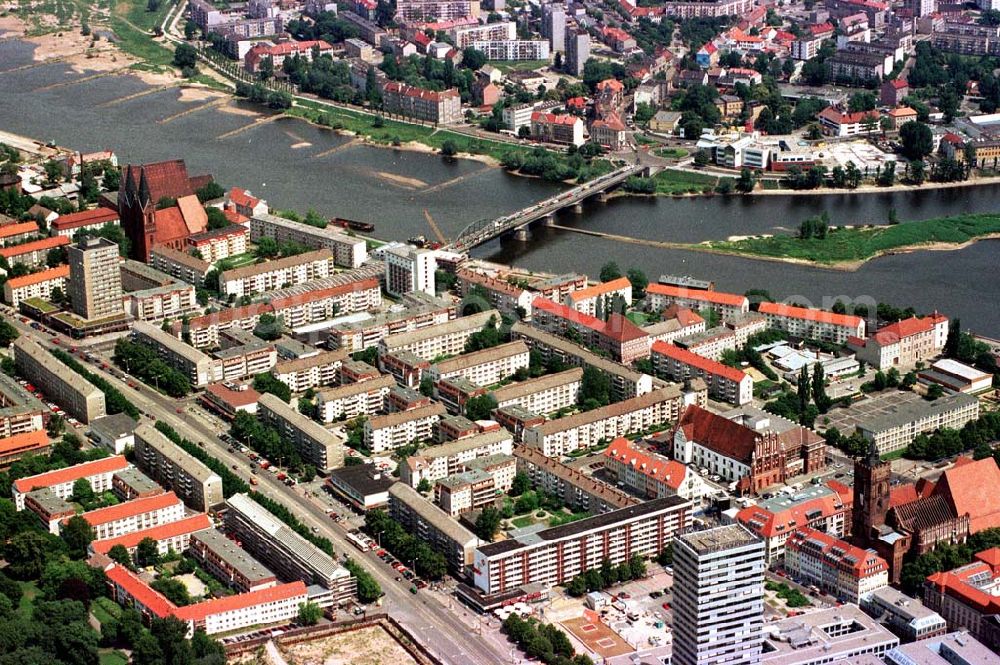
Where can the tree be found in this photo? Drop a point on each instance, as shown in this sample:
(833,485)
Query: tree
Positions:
(610,271)
(119,554)
(916,139)
(146,650)
(487,523)
(480,407)
(424,486)
(746,182)
(449,148)
(185,56)
(917,171)
(55,427)
(173,589)
(862,101)
(147,552)
(637,278)
(28,552)
(53,171)
(265,382)
(473,59)
(82,491)
(819,389)
(521,484)
(935,391)
(8,333)
(309,614)
(77,534)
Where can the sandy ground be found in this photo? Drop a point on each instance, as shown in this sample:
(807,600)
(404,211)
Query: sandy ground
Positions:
(11,26)
(863,189)
(402,181)
(199,94)
(369,646)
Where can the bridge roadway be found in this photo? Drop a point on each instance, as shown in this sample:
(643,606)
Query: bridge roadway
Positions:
(482,231)
(433,618)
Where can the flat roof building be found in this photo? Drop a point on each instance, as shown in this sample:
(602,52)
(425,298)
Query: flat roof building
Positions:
(314,443)
(432,525)
(81,399)
(175,469)
(365,486)
(229,563)
(348,251)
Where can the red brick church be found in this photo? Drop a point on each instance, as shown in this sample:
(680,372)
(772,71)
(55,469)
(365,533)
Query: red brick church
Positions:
(157,205)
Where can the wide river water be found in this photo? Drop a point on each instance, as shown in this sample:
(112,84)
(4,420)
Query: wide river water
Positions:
(295,165)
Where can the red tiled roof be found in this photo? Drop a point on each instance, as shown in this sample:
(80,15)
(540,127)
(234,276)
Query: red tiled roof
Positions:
(817,315)
(320,294)
(699,362)
(85,218)
(767,524)
(670,472)
(198,522)
(899,84)
(611,121)
(902,112)
(71,473)
(839,118)
(165,179)
(21,228)
(24,442)
(194,215)
(708,48)
(617,327)
(614,85)
(684,315)
(59,272)
(554,119)
(34,246)
(412,91)
(241,198)
(289,48)
(972,489)
(600,289)
(235,217)
(821,29)
(720,434)
(170,225)
(617,34)
(234,398)
(130,508)
(714,297)
(839,553)
(144,594)
(894,332)
(903,494)
(199,611)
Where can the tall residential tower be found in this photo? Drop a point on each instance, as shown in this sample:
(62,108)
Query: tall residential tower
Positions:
(95,280)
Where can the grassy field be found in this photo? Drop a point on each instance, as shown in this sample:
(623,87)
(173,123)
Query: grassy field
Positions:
(672,153)
(134,25)
(112,657)
(844,245)
(518,65)
(638,318)
(521,522)
(105,609)
(27,604)
(684,182)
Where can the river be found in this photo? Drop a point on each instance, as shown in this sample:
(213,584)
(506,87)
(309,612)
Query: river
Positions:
(295,165)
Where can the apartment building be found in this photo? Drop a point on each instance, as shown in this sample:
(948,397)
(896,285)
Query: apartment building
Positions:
(564,129)
(465,491)
(843,570)
(903,343)
(577,51)
(409,269)
(577,490)
(485,367)
(438,107)
(281,549)
(651,475)
(20,411)
(81,399)
(354,399)
(200,368)
(179,264)
(440,461)
(464,36)
(599,299)
(33,253)
(713,8)
(447,339)
(726,305)
(18,446)
(718,597)
(131,483)
(85,220)
(432,525)
(315,371)
(813,323)
(260,278)
(966,596)
(896,430)
(503,296)
(906,617)
(514,49)
(357,371)
(625,383)
(562,436)
(171,300)
(169,537)
(725,383)
(620,338)
(416,11)
(244,360)
(501,467)
(278,53)
(315,444)
(95,281)
(419,314)
(346,251)
(711,343)
(17,232)
(175,469)
(558,554)
(221,243)
(50,509)
(969,38)
(229,563)
(60,481)
(35,285)
(391,431)
(774,520)
(745,326)
(545,394)
(134,515)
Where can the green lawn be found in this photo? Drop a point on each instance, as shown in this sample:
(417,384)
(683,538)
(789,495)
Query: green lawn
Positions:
(672,153)
(521,522)
(27,605)
(112,658)
(644,140)
(896,454)
(846,245)
(566,518)
(684,182)
(638,318)
(237,261)
(105,609)
(518,65)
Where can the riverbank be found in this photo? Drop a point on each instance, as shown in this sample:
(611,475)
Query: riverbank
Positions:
(975,181)
(848,248)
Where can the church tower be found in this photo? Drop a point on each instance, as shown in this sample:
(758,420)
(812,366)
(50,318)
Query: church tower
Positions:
(871,495)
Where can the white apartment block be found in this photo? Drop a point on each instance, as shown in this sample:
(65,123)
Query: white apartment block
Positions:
(174,536)
(391,431)
(562,436)
(447,339)
(896,430)
(813,323)
(504,296)
(135,515)
(302,374)
(221,243)
(409,269)
(162,302)
(718,597)
(441,461)
(175,469)
(835,566)
(279,274)
(469,490)
(514,49)
(903,343)
(358,336)
(746,326)
(351,400)
(466,35)
(544,394)
(244,361)
(555,556)
(81,399)
(314,443)
(725,383)
(35,285)
(197,366)
(711,343)
(598,300)
(348,251)
(263,607)
(774,520)
(726,305)
(485,367)
(653,476)
(98,473)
